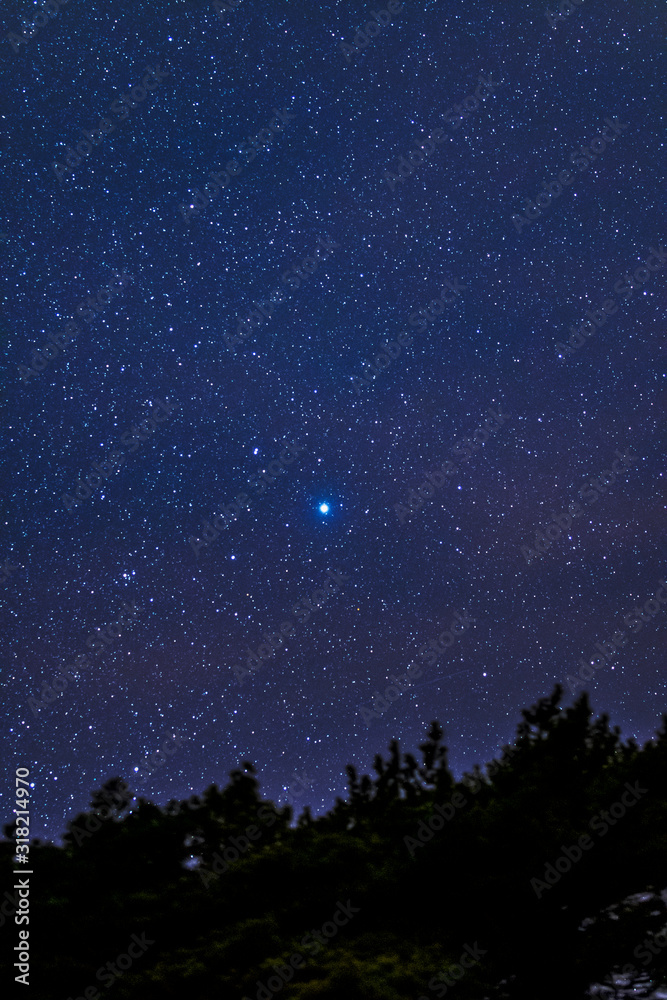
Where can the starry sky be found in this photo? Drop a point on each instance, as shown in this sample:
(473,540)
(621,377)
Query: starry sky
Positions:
(143,279)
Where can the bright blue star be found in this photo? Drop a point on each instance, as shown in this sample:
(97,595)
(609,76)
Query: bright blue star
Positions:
(324,508)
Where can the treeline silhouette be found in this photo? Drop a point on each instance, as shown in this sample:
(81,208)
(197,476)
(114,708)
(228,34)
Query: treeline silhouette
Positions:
(432,886)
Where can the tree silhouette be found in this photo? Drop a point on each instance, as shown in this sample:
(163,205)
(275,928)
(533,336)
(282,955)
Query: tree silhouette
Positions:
(491,862)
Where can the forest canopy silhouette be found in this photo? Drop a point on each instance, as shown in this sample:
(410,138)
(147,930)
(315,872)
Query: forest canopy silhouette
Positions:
(536,876)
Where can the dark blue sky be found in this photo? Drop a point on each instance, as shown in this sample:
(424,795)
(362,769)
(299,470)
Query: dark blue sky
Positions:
(169,287)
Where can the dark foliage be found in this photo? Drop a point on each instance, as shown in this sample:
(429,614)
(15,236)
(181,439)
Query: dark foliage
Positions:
(227,886)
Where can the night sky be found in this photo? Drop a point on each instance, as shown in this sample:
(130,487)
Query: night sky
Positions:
(247,457)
